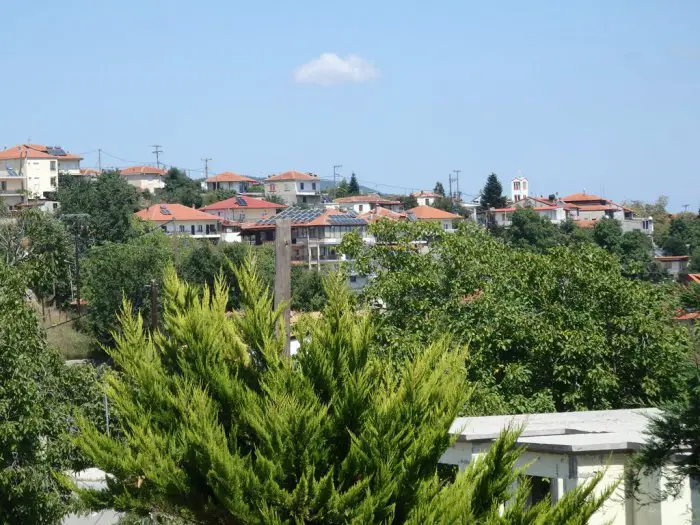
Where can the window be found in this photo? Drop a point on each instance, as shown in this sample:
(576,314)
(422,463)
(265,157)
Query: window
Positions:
(200,228)
(516,185)
(286,187)
(353,278)
(524,185)
(301,186)
(446,225)
(52,165)
(359,207)
(271,188)
(303,199)
(313,185)
(53,182)
(182,228)
(3,186)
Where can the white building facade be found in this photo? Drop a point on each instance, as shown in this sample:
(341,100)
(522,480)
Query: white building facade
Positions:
(294,187)
(29,171)
(565,450)
(144,178)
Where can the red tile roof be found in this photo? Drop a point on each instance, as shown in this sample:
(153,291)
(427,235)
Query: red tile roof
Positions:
(371,198)
(585,224)
(34,151)
(425,194)
(582,197)
(428,213)
(140,170)
(251,203)
(228,176)
(694,277)
(536,208)
(688,316)
(381,213)
(292,175)
(178,212)
(89,172)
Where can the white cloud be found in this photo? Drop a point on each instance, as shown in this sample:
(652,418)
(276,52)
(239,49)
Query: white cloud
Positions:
(329,69)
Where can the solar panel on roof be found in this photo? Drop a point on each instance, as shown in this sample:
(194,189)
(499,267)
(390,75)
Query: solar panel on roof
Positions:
(241,201)
(11,171)
(164,210)
(56,151)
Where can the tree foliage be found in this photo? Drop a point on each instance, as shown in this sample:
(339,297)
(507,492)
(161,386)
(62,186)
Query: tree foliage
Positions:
(673,447)
(439,189)
(353,186)
(220,428)
(342,190)
(109,201)
(114,271)
(179,188)
(38,394)
(683,235)
(560,330)
(307,290)
(408,201)
(492,193)
(39,245)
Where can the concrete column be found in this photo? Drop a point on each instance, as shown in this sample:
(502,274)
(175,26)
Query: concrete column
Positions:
(695,501)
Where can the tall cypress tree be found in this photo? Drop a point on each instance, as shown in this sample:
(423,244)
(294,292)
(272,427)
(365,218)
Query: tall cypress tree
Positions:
(492,193)
(219,427)
(354,186)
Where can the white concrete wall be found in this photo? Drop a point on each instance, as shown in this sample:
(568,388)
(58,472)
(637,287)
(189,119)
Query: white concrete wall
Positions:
(145,181)
(425,201)
(185,228)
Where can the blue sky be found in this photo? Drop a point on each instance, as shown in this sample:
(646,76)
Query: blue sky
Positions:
(601,95)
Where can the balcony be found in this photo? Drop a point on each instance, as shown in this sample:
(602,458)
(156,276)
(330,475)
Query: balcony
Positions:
(10,175)
(12,192)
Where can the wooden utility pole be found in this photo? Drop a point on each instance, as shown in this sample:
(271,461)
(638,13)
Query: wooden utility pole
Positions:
(283,273)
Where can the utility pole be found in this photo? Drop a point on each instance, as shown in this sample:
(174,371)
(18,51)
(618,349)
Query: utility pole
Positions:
(206,167)
(456,180)
(99,160)
(283,274)
(154,306)
(685,207)
(449,182)
(336,167)
(157,151)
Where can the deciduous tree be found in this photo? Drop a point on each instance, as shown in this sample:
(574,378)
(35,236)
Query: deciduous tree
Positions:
(560,330)
(38,395)
(109,201)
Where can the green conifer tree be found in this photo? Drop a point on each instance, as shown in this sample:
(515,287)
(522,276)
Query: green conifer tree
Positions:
(218,426)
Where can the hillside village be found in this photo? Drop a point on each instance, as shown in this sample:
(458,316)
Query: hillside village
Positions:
(533,279)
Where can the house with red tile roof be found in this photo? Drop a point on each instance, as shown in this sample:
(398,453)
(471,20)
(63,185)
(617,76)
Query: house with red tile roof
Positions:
(145,178)
(380,213)
(588,207)
(295,187)
(242,208)
(425,198)
(176,219)
(554,210)
(230,181)
(365,203)
(446,219)
(316,232)
(30,171)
